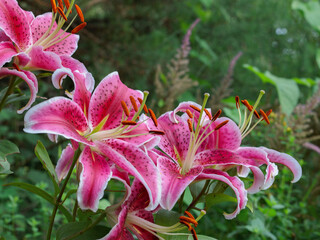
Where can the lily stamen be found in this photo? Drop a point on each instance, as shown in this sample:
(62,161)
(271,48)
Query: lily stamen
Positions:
(79,28)
(190,125)
(195,108)
(62,13)
(189,113)
(221,125)
(129,123)
(145,109)
(125,108)
(54,6)
(157,132)
(264,115)
(153,117)
(80,14)
(216,115)
(134,104)
(208,113)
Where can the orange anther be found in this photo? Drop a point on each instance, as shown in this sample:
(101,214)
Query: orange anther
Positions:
(16,67)
(134,104)
(67,3)
(264,115)
(237,101)
(256,114)
(218,113)
(195,108)
(268,112)
(78,28)
(190,125)
(60,4)
(62,14)
(194,234)
(189,215)
(220,125)
(80,14)
(189,113)
(208,113)
(125,108)
(129,123)
(189,220)
(157,132)
(145,109)
(54,6)
(153,117)
(247,104)
(187,224)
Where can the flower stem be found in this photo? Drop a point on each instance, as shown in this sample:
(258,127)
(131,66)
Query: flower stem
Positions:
(58,199)
(8,92)
(99,219)
(195,201)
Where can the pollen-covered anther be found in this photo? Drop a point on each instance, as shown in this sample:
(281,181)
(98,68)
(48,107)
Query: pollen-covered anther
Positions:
(208,113)
(129,123)
(80,14)
(134,104)
(125,108)
(16,67)
(194,234)
(54,6)
(247,104)
(190,125)
(153,117)
(269,112)
(60,4)
(189,113)
(67,3)
(221,125)
(62,14)
(256,114)
(216,115)
(265,116)
(189,220)
(79,28)
(157,132)
(187,224)
(195,108)
(189,215)
(145,109)
(237,101)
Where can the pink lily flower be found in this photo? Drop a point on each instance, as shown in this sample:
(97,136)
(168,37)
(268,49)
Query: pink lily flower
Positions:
(106,129)
(197,146)
(35,43)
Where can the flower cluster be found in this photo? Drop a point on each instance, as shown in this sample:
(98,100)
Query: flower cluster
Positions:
(120,138)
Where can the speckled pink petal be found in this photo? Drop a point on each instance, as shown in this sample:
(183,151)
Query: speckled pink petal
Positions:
(57,115)
(176,135)
(64,162)
(29,78)
(173,182)
(287,160)
(15,22)
(4,37)
(258,180)
(227,137)
(234,182)
(43,60)
(106,100)
(136,162)
(271,173)
(123,177)
(41,24)
(7,51)
(182,107)
(95,175)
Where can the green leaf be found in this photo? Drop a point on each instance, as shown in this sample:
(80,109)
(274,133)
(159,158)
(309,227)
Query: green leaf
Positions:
(6,148)
(287,89)
(308,82)
(69,229)
(43,194)
(44,158)
(214,198)
(318,57)
(310,11)
(202,237)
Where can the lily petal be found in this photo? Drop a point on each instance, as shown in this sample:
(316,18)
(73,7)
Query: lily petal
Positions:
(173,182)
(7,51)
(57,115)
(287,160)
(258,180)
(29,78)
(64,162)
(94,178)
(44,60)
(234,182)
(132,159)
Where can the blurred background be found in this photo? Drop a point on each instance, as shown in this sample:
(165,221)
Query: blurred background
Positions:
(237,48)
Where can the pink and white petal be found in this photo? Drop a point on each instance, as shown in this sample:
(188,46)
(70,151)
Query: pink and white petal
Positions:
(119,232)
(53,138)
(43,60)
(176,135)
(29,78)
(287,160)
(243,171)
(173,182)
(75,65)
(227,137)
(106,100)
(64,162)
(60,116)
(7,51)
(42,23)
(123,177)
(137,163)
(271,173)
(258,180)
(23,59)
(140,232)
(234,182)
(4,37)
(14,21)
(257,154)
(182,107)
(95,175)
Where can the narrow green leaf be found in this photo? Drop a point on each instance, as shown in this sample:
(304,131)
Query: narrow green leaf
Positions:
(310,11)
(6,148)
(43,194)
(44,158)
(69,229)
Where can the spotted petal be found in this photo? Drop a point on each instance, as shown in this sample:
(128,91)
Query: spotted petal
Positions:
(94,178)
(234,182)
(173,182)
(43,60)
(64,162)
(7,51)
(60,116)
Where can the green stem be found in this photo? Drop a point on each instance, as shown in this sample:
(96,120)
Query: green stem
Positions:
(99,219)
(74,212)
(195,201)
(58,200)
(8,92)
